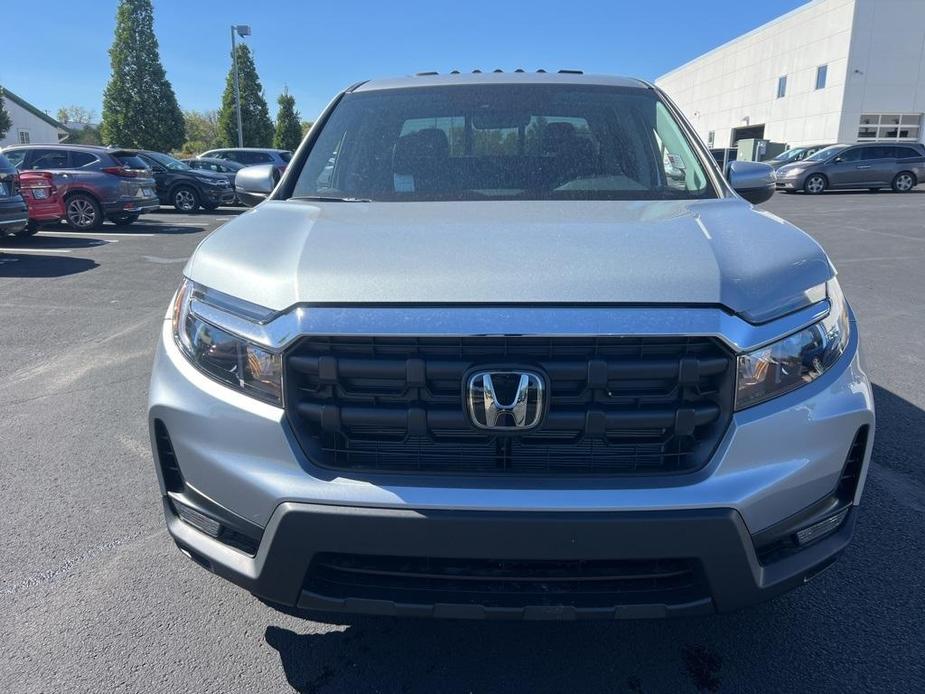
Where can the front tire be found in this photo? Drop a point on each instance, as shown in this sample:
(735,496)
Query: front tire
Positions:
(185,199)
(83,213)
(903,182)
(815,184)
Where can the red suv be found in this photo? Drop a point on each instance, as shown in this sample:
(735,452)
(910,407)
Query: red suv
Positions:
(42,198)
(95,183)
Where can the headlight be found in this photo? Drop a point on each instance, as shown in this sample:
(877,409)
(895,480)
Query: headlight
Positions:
(225,357)
(795,360)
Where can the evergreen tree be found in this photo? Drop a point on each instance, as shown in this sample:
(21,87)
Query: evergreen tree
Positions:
(255,116)
(288,129)
(139,106)
(5,122)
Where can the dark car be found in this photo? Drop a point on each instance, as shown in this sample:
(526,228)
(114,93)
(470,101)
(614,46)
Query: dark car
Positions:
(250,156)
(94,182)
(794,154)
(14,216)
(225,167)
(187,188)
(874,166)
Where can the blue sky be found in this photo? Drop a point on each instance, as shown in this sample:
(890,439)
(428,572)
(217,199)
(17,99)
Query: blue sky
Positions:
(56,51)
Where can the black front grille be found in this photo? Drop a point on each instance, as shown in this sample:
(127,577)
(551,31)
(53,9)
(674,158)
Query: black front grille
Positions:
(616,405)
(505,583)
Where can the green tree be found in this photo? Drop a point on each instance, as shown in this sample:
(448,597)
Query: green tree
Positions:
(81,123)
(139,106)
(255,116)
(306,126)
(288,129)
(201,132)
(5,122)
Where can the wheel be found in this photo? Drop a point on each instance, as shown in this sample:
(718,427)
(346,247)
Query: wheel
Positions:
(903,182)
(210,206)
(185,199)
(815,184)
(82,212)
(125,218)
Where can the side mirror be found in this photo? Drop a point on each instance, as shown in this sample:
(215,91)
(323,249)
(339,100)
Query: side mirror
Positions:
(254,183)
(836,160)
(752,180)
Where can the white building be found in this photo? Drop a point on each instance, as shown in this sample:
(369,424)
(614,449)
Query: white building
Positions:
(830,71)
(30,125)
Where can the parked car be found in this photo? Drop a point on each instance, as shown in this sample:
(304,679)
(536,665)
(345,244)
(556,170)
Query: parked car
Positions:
(874,166)
(94,182)
(794,154)
(523,353)
(226,167)
(14,216)
(187,188)
(249,156)
(46,206)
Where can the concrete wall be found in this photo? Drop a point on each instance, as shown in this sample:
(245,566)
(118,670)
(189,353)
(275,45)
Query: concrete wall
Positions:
(886,68)
(738,80)
(40,132)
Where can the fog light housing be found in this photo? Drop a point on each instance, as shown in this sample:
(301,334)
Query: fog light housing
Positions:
(817,531)
(197,519)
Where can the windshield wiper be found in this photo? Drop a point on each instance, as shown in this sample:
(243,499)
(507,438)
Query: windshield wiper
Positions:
(329,198)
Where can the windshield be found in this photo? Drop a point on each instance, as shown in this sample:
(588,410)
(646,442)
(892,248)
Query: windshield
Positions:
(168,162)
(824,154)
(790,154)
(494,142)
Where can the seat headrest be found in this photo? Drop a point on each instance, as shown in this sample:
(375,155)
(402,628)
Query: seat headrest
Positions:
(431,143)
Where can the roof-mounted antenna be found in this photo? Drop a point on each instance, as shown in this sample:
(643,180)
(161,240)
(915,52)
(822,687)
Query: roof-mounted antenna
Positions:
(541,70)
(497,69)
(520,69)
(476,72)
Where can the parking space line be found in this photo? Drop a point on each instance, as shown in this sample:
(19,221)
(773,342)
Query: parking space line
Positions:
(36,250)
(89,235)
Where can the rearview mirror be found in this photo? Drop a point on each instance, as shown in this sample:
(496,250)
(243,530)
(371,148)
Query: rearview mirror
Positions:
(752,180)
(253,184)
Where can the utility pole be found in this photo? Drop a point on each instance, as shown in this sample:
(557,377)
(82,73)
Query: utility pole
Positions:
(241,30)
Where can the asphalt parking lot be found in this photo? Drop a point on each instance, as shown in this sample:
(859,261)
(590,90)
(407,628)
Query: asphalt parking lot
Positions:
(95,597)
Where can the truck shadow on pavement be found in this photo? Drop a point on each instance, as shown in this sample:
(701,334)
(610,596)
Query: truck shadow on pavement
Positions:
(854,627)
(35,265)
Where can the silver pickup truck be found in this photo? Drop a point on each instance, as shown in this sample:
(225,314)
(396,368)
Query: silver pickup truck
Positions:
(510,346)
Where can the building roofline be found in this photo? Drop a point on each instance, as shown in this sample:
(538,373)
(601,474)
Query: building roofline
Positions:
(740,37)
(19,101)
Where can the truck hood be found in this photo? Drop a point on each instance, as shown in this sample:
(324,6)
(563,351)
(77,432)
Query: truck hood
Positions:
(709,252)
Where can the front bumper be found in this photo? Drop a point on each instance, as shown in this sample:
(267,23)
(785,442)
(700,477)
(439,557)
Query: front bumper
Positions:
(730,575)
(241,454)
(216,195)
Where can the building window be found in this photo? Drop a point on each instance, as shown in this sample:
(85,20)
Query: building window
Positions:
(24,137)
(782,87)
(821,73)
(891,127)
(711,136)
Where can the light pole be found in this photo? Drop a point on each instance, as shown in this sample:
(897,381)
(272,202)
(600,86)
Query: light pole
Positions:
(241,30)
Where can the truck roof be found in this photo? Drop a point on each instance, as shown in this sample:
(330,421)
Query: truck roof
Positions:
(434,79)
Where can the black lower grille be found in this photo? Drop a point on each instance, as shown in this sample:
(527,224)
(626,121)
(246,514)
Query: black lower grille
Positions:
(616,405)
(505,583)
